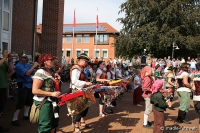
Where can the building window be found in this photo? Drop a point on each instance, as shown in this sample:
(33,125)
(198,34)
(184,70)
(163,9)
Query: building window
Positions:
(5,46)
(69,38)
(86,38)
(86,51)
(97,53)
(101,39)
(5,21)
(78,38)
(6,5)
(104,53)
(62,52)
(78,52)
(68,53)
(63,39)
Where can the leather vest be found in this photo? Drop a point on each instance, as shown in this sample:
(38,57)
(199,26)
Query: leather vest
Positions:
(82,75)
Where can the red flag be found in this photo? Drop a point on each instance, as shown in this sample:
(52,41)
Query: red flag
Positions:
(97,24)
(74,22)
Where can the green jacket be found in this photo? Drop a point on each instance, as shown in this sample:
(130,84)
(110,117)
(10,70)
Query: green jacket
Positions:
(158,101)
(3,75)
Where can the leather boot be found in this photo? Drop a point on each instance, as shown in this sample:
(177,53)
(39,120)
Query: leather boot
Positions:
(179,113)
(184,120)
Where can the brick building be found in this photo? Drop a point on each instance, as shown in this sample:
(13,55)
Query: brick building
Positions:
(19,22)
(85,40)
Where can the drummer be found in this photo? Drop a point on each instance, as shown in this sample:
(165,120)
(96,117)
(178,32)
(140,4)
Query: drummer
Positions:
(196,97)
(77,83)
(101,77)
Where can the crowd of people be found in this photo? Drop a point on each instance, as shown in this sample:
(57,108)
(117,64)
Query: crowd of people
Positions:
(148,83)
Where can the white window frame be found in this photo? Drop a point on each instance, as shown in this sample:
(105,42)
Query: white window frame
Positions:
(78,50)
(103,51)
(5,36)
(95,53)
(81,38)
(86,35)
(63,39)
(9,15)
(87,51)
(66,52)
(67,39)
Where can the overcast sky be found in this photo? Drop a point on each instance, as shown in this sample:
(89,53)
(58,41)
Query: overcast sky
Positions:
(86,11)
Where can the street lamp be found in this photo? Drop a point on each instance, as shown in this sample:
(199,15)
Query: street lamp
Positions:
(174,46)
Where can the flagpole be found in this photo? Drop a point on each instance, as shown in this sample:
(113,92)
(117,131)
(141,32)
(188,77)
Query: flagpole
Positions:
(74,25)
(73,44)
(96,34)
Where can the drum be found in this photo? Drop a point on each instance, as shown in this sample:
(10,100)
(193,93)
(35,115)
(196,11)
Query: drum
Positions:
(78,104)
(197,86)
(78,100)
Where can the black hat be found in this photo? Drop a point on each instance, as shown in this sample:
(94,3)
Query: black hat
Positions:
(83,56)
(170,68)
(157,66)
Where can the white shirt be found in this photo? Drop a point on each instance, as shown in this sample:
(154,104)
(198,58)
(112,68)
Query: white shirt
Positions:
(174,63)
(119,73)
(41,71)
(76,83)
(193,64)
(108,75)
(99,71)
(183,61)
(165,70)
(138,79)
(181,77)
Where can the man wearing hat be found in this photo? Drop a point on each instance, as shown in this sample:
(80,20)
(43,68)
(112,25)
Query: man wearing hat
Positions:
(78,82)
(25,97)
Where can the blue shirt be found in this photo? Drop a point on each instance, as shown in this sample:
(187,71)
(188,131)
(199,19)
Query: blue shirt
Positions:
(20,70)
(85,73)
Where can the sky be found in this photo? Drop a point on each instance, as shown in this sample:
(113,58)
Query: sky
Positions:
(86,11)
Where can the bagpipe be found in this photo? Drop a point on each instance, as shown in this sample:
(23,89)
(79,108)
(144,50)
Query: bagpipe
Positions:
(78,100)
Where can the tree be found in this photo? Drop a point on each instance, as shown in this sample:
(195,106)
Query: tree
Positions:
(155,25)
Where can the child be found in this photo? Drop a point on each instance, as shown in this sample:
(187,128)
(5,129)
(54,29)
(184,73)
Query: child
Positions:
(159,106)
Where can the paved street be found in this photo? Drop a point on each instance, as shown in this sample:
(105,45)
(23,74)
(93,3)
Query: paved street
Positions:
(127,118)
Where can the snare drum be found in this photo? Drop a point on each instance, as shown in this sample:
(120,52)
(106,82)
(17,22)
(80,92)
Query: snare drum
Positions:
(78,104)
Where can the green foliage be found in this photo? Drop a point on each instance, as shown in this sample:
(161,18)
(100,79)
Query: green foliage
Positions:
(155,25)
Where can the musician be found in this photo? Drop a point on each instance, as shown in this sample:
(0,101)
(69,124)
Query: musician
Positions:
(170,83)
(25,97)
(43,87)
(196,89)
(184,91)
(5,67)
(101,77)
(77,83)
(118,72)
(147,83)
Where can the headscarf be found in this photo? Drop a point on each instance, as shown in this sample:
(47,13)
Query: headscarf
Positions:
(146,68)
(156,86)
